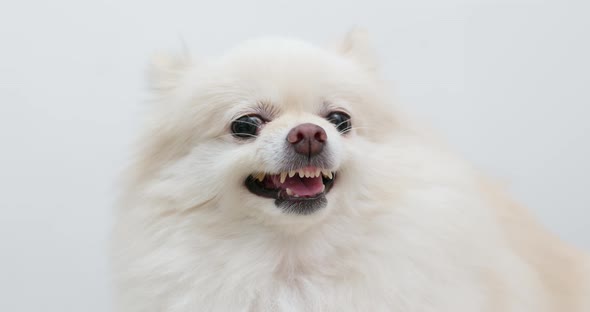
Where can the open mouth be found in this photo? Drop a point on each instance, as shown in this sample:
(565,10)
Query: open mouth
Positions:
(301,191)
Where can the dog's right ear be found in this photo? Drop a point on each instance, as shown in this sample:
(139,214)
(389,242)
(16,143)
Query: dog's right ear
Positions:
(166,71)
(356,46)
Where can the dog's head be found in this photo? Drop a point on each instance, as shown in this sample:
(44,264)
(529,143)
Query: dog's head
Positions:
(273,129)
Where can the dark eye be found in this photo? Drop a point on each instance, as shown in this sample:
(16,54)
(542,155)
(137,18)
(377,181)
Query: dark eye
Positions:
(340,120)
(246,126)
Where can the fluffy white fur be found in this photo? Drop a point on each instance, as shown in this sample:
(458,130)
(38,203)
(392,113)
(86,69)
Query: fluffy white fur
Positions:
(408,226)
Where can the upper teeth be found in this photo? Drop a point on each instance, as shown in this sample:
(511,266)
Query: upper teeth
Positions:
(308,173)
(260,176)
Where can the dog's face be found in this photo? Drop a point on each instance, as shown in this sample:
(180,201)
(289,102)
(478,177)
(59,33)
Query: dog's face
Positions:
(274,129)
(295,153)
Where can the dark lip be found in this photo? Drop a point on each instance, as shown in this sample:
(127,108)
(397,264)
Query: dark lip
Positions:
(291,204)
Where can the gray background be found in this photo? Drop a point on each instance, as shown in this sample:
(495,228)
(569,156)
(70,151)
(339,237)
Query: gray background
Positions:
(505,81)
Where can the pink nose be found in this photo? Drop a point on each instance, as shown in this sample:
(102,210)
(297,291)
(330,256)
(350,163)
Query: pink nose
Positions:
(307,139)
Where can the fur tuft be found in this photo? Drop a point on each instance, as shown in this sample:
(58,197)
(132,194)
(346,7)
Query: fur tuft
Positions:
(166,71)
(356,45)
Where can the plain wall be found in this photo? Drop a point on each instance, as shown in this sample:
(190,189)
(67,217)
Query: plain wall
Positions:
(505,81)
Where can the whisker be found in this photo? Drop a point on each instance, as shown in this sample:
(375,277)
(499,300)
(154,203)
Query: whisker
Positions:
(355,128)
(231,135)
(246,122)
(338,125)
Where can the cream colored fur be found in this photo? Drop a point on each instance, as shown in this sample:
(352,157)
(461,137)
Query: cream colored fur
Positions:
(408,226)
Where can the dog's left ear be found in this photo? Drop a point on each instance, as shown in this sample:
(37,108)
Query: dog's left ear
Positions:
(356,45)
(166,71)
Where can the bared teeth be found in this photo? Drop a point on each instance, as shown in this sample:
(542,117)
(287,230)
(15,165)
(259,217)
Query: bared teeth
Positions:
(289,192)
(307,173)
(302,173)
(283,177)
(323,188)
(260,176)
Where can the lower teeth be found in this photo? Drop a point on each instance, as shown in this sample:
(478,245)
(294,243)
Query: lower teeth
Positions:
(290,192)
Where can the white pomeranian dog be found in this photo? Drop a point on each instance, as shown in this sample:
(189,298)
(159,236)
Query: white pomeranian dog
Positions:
(280,177)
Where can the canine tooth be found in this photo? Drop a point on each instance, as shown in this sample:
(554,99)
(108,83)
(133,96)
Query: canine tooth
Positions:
(283,177)
(292,173)
(330,176)
(323,188)
(295,195)
(260,176)
(289,192)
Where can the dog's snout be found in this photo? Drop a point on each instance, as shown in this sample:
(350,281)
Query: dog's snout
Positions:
(307,139)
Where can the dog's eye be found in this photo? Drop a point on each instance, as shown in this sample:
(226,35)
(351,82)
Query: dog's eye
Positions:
(340,120)
(246,126)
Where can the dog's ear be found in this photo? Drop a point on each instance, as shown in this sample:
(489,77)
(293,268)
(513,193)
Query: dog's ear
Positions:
(166,71)
(356,45)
